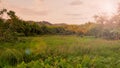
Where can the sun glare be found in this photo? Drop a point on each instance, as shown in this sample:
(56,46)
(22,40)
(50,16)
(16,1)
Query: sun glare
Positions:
(109,8)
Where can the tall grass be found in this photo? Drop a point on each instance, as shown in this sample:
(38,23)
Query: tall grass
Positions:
(61,52)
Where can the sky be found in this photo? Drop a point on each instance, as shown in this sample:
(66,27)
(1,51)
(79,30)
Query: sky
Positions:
(60,11)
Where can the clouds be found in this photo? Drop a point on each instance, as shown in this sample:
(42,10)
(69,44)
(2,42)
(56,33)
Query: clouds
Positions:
(42,0)
(71,11)
(26,11)
(30,7)
(73,14)
(38,1)
(30,14)
(76,2)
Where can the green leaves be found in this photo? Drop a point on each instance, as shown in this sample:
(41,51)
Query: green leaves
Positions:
(10,57)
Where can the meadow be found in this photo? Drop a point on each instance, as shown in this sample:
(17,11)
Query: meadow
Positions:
(60,51)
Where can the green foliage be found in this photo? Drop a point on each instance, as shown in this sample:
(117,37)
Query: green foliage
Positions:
(7,36)
(10,57)
(77,52)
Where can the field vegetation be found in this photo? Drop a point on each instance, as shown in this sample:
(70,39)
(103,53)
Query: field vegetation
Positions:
(62,52)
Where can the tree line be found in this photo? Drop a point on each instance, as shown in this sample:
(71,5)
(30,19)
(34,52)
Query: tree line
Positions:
(14,27)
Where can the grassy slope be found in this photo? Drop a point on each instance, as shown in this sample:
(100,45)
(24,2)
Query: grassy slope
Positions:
(77,51)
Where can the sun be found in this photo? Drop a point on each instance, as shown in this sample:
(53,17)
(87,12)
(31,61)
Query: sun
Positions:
(109,8)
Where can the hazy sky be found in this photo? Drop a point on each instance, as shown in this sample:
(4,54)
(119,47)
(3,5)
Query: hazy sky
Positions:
(60,11)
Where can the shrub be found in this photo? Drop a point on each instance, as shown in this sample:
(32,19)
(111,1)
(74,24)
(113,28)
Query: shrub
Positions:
(7,36)
(10,57)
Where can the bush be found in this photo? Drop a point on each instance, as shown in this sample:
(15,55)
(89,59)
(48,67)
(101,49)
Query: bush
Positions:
(10,57)
(7,36)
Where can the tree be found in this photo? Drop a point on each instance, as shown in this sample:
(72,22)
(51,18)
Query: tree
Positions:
(2,12)
(110,26)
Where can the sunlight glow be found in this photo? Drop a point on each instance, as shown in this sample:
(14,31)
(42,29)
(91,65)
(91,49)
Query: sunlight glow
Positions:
(109,8)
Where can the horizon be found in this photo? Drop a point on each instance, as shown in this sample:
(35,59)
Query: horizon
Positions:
(56,11)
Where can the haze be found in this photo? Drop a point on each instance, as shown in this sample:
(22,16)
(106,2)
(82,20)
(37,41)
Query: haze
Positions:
(60,11)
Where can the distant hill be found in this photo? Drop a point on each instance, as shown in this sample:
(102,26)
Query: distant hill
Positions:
(41,22)
(47,23)
(60,24)
(44,23)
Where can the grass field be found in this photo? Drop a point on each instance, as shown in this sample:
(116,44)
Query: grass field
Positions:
(57,51)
